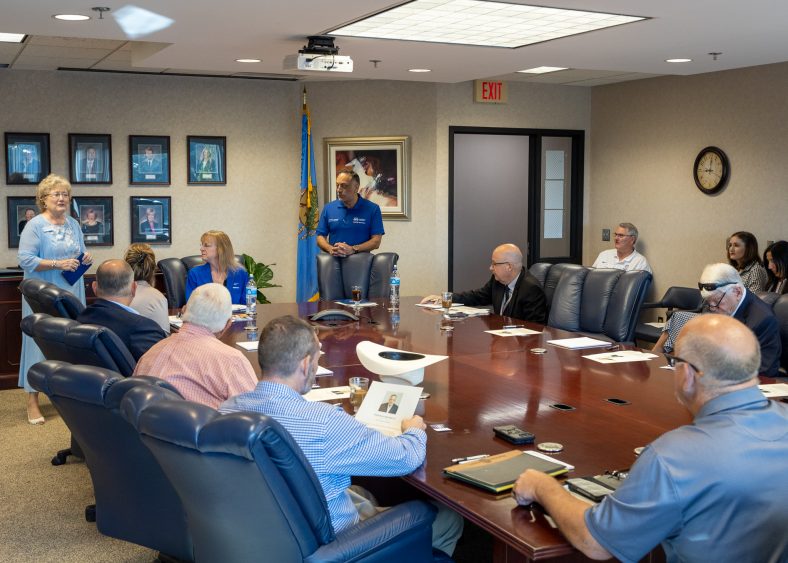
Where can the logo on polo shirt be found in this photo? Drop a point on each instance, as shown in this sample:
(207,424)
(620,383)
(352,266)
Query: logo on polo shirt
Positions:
(359,220)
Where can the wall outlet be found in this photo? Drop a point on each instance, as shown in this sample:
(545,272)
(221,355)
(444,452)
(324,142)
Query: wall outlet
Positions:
(606,235)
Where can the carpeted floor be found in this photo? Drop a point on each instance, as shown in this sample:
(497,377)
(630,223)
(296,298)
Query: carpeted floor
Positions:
(43,506)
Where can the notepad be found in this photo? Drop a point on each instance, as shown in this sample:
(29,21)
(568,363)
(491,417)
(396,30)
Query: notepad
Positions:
(498,473)
(73,277)
(579,343)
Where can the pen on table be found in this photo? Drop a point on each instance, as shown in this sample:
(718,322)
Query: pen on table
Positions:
(469,458)
(513,326)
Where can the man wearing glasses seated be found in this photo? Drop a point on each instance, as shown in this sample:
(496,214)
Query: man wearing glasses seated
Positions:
(723,292)
(512,290)
(708,491)
(623,256)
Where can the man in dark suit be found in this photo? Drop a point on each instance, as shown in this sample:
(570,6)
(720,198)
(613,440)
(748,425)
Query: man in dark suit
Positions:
(512,290)
(724,293)
(90,167)
(390,406)
(115,288)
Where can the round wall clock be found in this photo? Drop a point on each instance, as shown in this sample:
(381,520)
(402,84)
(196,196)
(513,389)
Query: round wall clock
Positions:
(711,170)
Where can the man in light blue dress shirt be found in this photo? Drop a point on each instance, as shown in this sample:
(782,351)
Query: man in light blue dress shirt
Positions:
(708,491)
(336,444)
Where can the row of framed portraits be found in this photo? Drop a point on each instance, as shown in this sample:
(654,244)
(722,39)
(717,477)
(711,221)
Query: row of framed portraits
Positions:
(28,159)
(151,219)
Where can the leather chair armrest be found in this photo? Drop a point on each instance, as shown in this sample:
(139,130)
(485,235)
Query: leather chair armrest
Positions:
(402,531)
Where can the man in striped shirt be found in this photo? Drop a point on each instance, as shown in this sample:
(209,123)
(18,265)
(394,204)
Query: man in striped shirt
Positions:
(193,360)
(336,444)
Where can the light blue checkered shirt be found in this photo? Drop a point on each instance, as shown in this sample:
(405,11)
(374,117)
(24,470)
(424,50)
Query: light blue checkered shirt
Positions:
(335,443)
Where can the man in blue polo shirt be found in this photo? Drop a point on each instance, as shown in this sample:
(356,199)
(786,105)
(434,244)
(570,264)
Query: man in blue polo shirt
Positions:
(708,491)
(350,223)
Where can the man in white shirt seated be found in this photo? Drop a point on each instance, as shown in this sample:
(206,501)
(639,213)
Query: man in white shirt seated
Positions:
(623,256)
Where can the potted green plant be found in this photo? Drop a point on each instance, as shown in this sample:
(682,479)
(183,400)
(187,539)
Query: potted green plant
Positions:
(262,274)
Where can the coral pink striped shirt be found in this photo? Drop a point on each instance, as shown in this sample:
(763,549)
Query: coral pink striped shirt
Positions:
(200,366)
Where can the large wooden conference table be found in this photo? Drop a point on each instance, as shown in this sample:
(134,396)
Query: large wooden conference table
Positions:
(491,380)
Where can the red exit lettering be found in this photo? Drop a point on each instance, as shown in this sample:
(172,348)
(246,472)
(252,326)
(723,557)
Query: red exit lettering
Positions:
(491,90)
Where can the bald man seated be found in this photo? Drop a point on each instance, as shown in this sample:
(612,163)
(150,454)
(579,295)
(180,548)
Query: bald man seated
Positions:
(512,290)
(708,491)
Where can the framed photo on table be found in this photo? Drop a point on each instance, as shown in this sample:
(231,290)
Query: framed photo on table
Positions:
(149,160)
(19,211)
(95,218)
(383,168)
(90,158)
(151,219)
(207,160)
(27,158)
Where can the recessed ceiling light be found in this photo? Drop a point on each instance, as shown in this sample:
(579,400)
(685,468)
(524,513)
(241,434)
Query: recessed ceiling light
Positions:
(248,60)
(678,60)
(419,70)
(12,37)
(542,69)
(71,17)
(479,22)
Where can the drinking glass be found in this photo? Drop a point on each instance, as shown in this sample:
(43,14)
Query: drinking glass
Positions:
(358,390)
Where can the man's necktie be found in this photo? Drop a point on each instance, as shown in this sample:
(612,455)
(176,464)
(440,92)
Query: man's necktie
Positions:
(505,300)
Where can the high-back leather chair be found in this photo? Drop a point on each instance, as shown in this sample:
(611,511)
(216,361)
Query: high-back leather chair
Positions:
(599,302)
(67,340)
(175,271)
(548,276)
(250,494)
(675,299)
(780,310)
(337,276)
(135,501)
(45,297)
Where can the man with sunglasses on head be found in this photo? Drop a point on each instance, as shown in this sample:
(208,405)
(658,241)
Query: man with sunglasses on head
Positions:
(707,491)
(724,293)
(623,255)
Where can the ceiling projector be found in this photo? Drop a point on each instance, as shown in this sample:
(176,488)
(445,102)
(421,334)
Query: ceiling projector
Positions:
(319,55)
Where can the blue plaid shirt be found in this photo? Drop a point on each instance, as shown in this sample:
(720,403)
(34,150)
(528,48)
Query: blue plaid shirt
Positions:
(335,443)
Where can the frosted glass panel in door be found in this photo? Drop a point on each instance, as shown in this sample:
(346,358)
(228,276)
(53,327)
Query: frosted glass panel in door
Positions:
(490,193)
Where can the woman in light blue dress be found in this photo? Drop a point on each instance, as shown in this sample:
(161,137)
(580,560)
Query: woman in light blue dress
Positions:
(49,244)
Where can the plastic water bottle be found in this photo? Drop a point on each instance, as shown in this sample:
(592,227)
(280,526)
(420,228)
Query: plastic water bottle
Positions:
(251,297)
(394,289)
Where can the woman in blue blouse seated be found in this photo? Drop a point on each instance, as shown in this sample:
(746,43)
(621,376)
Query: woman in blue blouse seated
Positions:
(220,267)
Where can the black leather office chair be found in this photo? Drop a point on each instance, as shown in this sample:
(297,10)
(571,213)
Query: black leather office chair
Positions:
(779,304)
(69,341)
(135,501)
(44,297)
(175,271)
(675,298)
(337,276)
(548,276)
(603,303)
(250,494)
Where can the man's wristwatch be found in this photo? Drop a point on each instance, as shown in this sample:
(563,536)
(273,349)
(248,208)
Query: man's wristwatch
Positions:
(355,249)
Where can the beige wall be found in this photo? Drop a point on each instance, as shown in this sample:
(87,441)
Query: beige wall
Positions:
(261,120)
(646,135)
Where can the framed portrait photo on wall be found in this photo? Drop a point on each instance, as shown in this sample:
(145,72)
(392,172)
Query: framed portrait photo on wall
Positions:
(90,158)
(151,219)
(95,218)
(19,211)
(383,168)
(27,158)
(149,160)
(207,160)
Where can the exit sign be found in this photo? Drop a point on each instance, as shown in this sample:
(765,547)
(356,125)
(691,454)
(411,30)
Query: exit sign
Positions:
(489,91)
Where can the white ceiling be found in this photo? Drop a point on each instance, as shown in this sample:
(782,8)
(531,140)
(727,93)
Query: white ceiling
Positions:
(208,35)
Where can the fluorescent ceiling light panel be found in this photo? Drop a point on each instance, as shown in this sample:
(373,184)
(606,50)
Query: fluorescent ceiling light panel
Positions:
(477,22)
(678,60)
(12,37)
(139,22)
(71,17)
(542,69)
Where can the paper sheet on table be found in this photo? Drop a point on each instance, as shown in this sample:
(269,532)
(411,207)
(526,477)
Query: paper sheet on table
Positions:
(351,303)
(436,305)
(372,411)
(774,390)
(175,321)
(656,325)
(470,311)
(578,343)
(328,394)
(621,356)
(513,332)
